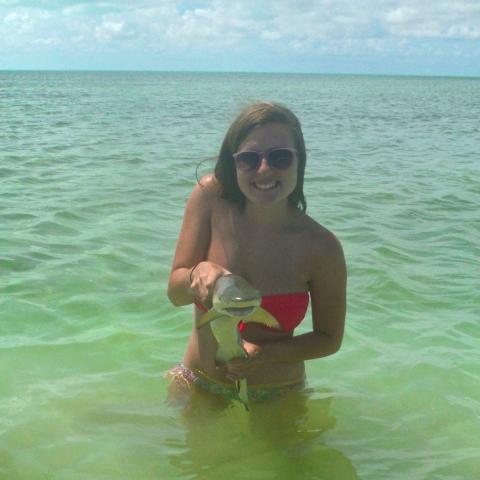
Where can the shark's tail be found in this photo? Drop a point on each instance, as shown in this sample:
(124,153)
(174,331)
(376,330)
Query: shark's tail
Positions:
(242,392)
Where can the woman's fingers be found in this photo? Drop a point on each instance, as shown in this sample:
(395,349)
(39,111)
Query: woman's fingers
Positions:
(204,278)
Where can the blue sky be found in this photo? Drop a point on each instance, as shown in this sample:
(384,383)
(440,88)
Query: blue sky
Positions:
(424,37)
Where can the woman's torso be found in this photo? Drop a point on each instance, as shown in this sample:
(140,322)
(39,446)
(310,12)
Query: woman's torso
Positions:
(275,260)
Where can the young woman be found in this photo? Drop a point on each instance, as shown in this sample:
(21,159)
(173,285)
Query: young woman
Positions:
(249,219)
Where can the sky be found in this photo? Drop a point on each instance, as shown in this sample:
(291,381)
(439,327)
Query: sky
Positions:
(409,37)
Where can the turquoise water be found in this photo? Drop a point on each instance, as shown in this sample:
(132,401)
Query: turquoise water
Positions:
(95,169)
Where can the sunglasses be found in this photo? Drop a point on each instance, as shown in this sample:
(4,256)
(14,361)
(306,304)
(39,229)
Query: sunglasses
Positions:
(277,158)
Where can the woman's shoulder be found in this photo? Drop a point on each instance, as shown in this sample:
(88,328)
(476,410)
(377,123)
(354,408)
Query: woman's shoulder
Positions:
(322,241)
(209,183)
(207,190)
(322,251)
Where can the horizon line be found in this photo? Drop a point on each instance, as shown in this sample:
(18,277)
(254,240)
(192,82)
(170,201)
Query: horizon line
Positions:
(87,70)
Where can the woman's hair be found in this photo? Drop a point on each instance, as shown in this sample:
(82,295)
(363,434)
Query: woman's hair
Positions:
(260,113)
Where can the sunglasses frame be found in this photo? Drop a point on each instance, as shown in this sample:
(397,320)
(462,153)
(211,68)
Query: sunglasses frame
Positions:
(265,154)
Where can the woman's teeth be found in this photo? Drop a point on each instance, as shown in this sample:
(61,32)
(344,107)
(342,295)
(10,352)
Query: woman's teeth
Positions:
(266,186)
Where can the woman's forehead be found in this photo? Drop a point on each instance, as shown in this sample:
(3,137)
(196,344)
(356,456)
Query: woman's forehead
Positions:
(269,135)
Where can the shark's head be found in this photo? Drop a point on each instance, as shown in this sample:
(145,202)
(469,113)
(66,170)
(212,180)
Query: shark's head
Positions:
(234,296)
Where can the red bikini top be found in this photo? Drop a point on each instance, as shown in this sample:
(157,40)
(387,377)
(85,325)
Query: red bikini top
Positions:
(288,308)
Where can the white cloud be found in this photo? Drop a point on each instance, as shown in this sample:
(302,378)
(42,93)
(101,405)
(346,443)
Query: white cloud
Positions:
(400,15)
(464,31)
(301,26)
(211,27)
(440,19)
(108,30)
(270,35)
(74,9)
(50,42)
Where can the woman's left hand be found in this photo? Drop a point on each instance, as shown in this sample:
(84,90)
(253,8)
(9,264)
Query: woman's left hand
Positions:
(238,368)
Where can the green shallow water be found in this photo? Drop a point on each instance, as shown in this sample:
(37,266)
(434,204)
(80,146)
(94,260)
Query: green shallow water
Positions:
(95,169)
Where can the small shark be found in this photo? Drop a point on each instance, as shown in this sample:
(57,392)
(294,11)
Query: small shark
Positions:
(234,299)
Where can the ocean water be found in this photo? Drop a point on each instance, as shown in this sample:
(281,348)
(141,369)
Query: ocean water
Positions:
(95,169)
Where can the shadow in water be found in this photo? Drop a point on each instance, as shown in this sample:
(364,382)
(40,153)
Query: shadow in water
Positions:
(277,439)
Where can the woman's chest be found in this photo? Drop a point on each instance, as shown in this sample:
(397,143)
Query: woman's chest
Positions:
(274,260)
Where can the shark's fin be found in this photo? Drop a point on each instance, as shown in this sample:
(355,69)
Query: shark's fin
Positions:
(260,315)
(209,317)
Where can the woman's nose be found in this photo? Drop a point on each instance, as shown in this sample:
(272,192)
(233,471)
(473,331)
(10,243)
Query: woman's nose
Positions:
(263,164)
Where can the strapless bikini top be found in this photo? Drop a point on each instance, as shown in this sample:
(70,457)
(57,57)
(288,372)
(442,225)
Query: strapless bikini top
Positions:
(288,308)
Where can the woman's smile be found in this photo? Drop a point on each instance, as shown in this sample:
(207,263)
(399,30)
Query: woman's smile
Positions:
(266,186)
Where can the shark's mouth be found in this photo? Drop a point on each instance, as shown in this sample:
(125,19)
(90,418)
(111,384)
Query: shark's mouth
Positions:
(237,311)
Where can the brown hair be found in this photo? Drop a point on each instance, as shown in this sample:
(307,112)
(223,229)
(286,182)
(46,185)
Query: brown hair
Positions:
(260,113)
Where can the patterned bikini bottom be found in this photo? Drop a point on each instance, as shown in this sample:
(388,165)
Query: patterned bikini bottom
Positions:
(194,377)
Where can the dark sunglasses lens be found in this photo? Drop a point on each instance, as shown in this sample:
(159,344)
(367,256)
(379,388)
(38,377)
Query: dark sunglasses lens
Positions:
(247,160)
(280,159)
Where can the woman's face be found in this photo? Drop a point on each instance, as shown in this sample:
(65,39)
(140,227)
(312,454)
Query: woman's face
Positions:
(267,185)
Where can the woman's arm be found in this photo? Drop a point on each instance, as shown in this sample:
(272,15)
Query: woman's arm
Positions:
(192,248)
(328,296)
(328,285)
(192,245)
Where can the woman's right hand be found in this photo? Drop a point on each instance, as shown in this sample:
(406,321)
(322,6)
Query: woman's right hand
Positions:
(203,278)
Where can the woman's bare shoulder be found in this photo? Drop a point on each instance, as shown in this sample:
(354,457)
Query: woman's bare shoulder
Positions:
(207,190)
(323,253)
(209,186)
(209,183)
(323,242)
